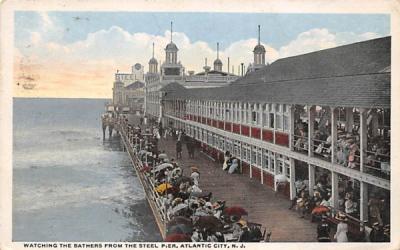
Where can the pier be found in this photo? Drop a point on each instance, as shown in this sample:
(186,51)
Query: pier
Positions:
(264,206)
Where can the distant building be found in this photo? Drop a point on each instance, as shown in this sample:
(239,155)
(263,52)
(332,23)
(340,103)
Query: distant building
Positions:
(128,89)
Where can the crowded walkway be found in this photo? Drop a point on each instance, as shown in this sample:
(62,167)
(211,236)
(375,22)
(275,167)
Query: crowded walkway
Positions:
(262,204)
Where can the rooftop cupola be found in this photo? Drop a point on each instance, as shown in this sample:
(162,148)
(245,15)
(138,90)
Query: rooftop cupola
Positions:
(171,52)
(153,63)
(218,62)
(259,51)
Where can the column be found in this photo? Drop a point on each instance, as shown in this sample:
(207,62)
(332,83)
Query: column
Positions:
(335,190)
(292,179)
(311,119)
(274,129)
(251,161)
(262,166)
(260,118)
(291,122)
(363,201)
(334,119)
(374,123)
(275,170)
(349,120)
(311,179)
(363,137)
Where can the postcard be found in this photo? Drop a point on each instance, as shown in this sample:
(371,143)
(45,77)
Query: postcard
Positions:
(199,124)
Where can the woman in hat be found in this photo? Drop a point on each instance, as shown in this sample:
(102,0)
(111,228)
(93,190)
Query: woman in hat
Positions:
(195,175)
(342,229)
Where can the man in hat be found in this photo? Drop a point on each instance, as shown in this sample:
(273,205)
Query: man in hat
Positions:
(323,231)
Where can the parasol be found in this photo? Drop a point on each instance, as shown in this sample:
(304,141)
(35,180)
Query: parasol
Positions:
(179,220)
(162,167)
(162,187)
(209,223)
(235,210)
(178,238)
(180,229)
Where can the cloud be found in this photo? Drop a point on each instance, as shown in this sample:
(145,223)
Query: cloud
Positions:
(46,21)
(85,68)
(318,39)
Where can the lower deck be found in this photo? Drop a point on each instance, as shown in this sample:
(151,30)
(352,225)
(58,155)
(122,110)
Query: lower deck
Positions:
(262,204)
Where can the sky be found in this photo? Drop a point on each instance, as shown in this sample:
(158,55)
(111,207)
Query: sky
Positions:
(75,54)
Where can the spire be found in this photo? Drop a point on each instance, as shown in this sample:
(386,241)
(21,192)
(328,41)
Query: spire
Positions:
(153,50)
(258,34)
(205,61)
(217,50)
(171,31)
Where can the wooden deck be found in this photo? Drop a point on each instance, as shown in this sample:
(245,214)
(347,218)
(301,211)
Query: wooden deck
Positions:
(262,204)
(260,201)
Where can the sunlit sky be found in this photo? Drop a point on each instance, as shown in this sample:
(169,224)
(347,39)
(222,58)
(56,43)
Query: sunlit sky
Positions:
(75,54)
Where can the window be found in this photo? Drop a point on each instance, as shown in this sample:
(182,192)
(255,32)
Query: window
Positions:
(272,159)
(287,168)
(236,150)
(244,153)
(286,123)
(279,163)
(271,120)
(254,117)
(279,121)
(259,159)
(254,155)
(265,163)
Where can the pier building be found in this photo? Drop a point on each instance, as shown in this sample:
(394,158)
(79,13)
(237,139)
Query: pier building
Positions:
(317,118)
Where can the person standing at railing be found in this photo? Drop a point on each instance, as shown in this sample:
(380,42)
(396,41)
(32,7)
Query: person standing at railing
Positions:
(195,175)
(178,150)
(352,154)
(342,229)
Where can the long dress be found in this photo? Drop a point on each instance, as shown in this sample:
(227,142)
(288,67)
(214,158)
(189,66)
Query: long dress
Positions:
(341,232)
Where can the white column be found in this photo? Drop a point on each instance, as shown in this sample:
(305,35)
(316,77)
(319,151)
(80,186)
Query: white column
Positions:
(333,133)
(292,179)
(262,165)
(311,119)
(251,161)
(363,201)
(275,171)
(374,123)
(274,129)
(291,122)
(335,190)
(363,137)
(311,179)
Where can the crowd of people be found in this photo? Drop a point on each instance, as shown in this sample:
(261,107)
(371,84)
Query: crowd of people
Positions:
(190,213)
(347,147)
(319,208)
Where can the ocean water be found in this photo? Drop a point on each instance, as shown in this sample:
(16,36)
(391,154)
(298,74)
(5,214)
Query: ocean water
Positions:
(69,184)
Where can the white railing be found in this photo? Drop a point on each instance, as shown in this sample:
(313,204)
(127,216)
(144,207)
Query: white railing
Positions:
(211,78)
